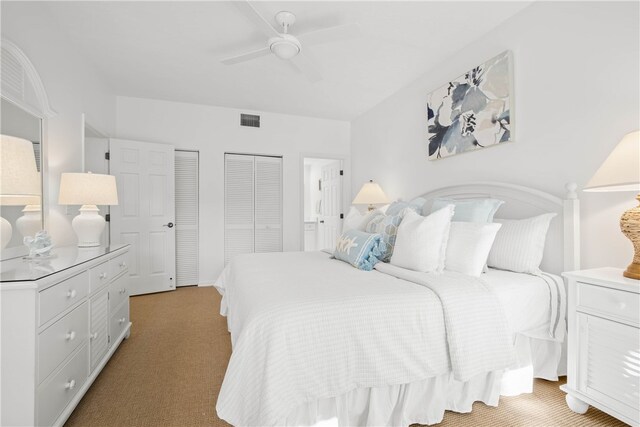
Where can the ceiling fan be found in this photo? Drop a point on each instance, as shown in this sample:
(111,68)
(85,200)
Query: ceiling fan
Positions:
(287,46)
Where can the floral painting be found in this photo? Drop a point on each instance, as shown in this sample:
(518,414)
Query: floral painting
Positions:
(473,111)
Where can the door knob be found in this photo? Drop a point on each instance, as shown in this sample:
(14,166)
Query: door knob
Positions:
(170,225)
(322,222)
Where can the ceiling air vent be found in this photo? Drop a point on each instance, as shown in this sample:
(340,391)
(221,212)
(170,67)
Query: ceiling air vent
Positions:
(250,120)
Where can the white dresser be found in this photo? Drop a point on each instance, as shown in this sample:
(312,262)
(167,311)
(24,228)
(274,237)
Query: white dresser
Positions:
(61,321)
(604,343)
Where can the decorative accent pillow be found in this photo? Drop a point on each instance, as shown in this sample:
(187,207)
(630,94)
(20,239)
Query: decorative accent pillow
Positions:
(358,221)
(358,248)
(519,245)
(469,245)
(421,241)
(415,205)
(387,227)
(469,210)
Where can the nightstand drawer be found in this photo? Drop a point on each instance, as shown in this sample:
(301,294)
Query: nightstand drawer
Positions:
(609,302)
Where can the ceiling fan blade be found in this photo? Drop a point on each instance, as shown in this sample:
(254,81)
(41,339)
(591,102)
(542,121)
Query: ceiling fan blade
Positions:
(303,64)
(254,16)
(330,34)
(246,56)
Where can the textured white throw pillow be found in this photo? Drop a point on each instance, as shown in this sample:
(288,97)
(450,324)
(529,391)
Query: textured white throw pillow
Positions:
(519,244)
(421,241)
(469,245)
(358,221)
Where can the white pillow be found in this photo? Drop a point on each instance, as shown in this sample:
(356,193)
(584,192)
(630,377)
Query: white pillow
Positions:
(519,244)
(469,245)
(358,221)
(421,241)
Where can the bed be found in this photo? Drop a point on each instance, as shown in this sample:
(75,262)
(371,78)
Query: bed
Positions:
(316,340)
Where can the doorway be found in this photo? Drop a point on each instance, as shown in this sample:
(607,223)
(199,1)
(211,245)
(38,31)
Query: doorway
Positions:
(322,202)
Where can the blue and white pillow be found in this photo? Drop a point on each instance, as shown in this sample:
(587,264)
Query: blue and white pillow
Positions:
(387,227)
(415,205)
(358,248)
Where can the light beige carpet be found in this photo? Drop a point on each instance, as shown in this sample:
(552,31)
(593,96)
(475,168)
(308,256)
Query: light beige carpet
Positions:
(169,373)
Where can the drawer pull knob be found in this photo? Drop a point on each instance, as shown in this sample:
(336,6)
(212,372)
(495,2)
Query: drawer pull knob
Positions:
(622,305)
(70,385)
(71,335)
(71,293)
(123,264)
(123,290)
(94,335)
(121,320)
(103,276)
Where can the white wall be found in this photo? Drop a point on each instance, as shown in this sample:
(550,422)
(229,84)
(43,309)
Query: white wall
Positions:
(576,93)
(214,131)
(73,87)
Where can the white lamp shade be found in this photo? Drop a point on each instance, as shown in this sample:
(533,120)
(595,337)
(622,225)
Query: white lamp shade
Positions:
(88,189)
(621,170)
(370,194)
(19,175)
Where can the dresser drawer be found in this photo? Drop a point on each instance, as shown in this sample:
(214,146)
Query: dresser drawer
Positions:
(118,264)
(55,395)
(609,302)
(119,321)
(59,297)
(100,275)
(60,340)
(118,292)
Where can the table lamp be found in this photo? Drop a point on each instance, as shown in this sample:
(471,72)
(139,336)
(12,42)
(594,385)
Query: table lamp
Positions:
(621,172)
(88,189)
(19,179)
(370,194)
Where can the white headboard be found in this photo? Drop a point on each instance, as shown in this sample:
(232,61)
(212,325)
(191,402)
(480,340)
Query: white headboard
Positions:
(562,249)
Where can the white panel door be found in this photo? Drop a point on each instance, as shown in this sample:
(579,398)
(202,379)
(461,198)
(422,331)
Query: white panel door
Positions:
(187,218)
(238,205)
(330,224)
(145,216)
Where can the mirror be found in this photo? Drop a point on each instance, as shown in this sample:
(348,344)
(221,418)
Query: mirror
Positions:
(21,178)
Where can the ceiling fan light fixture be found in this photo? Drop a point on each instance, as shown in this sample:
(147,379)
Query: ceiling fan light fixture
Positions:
(285,47)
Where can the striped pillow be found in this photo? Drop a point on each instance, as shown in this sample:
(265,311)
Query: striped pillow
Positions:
(519,244)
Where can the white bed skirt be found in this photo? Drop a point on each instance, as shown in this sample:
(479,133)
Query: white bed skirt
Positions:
(425,401)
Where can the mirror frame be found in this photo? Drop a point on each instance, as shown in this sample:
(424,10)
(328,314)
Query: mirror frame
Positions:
(9,51)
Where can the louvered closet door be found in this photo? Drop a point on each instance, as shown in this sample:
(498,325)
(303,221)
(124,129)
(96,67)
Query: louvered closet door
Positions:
(268,199)
(186,166)
(238,205)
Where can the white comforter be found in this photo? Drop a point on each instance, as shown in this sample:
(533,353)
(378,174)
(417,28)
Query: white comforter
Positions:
(306,327)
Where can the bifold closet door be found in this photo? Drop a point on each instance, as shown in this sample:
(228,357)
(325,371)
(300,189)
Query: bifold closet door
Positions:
(238,205)
(187,206)
(268,200)
(253,204)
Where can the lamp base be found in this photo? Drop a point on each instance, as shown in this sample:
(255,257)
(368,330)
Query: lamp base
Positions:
(630,226)
(88,226)
(5,232)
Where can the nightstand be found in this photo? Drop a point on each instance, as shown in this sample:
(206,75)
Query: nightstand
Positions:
(603,352)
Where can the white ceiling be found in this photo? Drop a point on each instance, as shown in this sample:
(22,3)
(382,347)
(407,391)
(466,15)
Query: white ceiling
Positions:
(171,50)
